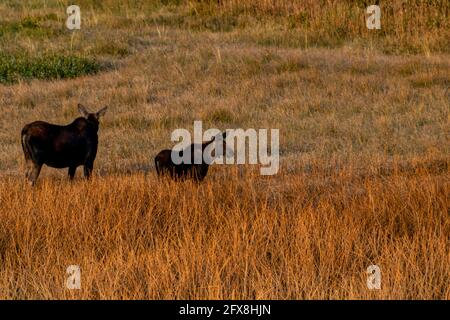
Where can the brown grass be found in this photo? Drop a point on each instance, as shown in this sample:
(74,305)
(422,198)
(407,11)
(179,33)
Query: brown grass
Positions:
(364,139)
(307,236)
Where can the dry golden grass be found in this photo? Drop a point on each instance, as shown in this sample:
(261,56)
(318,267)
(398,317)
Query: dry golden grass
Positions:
(291,237)
(364,177)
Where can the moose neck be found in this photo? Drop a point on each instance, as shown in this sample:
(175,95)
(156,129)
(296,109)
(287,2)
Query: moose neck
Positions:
(93,123)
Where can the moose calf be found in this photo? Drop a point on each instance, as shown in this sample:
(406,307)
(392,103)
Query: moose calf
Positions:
(165,165)
(56,146)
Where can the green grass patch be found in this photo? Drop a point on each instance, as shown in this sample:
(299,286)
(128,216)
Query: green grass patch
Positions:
(24,67)
(29,27)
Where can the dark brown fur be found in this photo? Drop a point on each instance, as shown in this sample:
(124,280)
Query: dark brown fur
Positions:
(57,146)
(165,166)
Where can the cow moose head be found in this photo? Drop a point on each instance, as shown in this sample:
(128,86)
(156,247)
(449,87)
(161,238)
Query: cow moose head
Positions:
(92,118)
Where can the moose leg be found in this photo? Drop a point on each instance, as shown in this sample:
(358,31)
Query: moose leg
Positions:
(72,171)
(34,174)
(28,168)
(88,166)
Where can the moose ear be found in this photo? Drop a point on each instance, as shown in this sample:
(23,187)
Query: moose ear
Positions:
(83,110)
(101,112)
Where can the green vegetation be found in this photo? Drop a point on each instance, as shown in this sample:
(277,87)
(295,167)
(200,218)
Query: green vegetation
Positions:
(113,30)
(24,67)
(30,27)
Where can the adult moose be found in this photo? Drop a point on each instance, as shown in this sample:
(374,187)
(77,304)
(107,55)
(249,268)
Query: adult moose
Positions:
(180,171)
(57,146)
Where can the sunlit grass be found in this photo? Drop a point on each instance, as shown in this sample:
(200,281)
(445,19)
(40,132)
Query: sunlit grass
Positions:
(364,150)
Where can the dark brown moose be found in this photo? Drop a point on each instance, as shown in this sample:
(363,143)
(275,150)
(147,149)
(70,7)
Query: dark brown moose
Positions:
(165,166)
(57,146)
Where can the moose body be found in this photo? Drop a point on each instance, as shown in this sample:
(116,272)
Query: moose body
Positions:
(165,165)
(57,146)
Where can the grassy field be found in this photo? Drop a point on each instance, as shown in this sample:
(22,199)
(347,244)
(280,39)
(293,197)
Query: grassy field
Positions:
(364,140)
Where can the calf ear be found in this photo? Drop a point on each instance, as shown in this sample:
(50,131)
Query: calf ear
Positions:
(101,112)
(83,110)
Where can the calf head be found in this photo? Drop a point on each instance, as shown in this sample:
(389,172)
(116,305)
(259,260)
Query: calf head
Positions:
(92,118)
(220,139)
